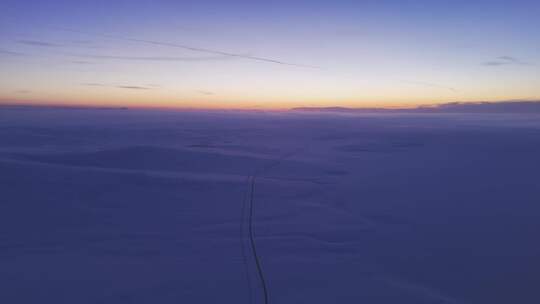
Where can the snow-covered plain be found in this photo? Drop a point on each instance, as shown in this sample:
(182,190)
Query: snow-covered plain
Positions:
(133,206)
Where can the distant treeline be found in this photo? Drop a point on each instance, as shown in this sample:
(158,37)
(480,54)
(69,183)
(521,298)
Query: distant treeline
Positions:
(453,107)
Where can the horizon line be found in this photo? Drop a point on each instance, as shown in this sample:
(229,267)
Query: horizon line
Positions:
(337,107)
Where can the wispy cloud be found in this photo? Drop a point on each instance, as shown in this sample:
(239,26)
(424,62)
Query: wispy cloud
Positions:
(11,53)
(508,58)
(133,87)
(505,60)
(81,44)
(127,87)
(22,91)
(84,62)
(80,41)
(38,43)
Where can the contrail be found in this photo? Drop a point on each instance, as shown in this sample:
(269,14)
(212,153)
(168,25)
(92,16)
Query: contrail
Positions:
(191,48)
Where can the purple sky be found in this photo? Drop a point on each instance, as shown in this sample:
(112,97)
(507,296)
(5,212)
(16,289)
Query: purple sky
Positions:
(275,54)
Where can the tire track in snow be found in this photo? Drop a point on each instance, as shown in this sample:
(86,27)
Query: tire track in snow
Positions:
(251,179)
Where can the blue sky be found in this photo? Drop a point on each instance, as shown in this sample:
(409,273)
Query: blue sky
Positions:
(262,54)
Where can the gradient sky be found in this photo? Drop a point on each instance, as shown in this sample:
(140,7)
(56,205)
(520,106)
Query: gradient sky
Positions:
(268,54)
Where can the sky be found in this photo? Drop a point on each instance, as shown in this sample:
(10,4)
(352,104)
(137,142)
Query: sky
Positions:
(268,54)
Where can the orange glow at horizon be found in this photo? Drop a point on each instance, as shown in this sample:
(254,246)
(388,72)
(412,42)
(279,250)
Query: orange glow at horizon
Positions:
(225,104)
